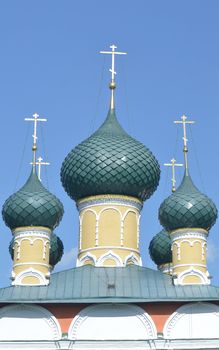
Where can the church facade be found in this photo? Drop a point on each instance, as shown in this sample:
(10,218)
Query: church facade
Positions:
(109,300)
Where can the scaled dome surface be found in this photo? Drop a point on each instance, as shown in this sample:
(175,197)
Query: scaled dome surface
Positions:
(187,208)
(110,162)
(32,205)
(160,248)
(56,249)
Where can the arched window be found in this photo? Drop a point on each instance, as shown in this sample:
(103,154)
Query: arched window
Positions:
(112,322)
(110,227)
(195,320)
(28,322)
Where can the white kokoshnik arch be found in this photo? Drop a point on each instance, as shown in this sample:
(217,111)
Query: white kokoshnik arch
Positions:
(22,322)
(193,321)
(112,322)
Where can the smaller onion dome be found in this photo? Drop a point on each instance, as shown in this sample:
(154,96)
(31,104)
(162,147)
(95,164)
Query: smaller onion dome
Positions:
(160,248)
(56,250)
(55,253)
(187,208)
(32,205)
(110,162)
(11,248)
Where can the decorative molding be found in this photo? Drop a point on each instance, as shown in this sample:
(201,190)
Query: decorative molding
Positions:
(177,244)
(132,257)
(122,218)
(44,314)
(45,240)
(109,255)
(185,311)
(88,256)
(35,233)
(180,234)
(198,265)
(204,277)
(31,263)
(138,231)
(109,199)
(43,281)
(161,344)
(109,247)
(136,311)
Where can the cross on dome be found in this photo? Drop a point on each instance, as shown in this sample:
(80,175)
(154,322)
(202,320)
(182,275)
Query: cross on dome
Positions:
(113,53)
(35,120)
(40,163)
(112,70)
(184,121)
(173,164)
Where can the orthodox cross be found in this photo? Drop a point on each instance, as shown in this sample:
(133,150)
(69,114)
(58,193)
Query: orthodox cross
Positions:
(40,163)
(184,121)
(35,120)
(112,70)
(173,164)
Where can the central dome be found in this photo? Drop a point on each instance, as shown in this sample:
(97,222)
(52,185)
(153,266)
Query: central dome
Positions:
(110,162)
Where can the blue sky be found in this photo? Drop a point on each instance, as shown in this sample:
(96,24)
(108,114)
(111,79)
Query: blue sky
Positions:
(49,63)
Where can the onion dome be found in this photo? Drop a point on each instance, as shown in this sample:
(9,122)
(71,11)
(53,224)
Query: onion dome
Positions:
(11,249)
(110,162)
(187,208)
(56,250)
(32,205)
(160,248)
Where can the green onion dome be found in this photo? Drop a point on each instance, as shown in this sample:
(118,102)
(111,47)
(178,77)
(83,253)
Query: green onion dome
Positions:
(11,248)
(55,253)
(56,250)
(32,205)
(110,162)
(187,208)
(160,248)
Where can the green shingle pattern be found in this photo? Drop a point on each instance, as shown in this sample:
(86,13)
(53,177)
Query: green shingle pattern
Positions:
(110,162)
(32,205)
(187,208)
(56,249)
(88,284)
(160,248)
(55,253)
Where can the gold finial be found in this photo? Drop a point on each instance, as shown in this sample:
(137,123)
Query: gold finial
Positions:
(35,120)
(112,84)
(40,163)
(184,121)
(173,164)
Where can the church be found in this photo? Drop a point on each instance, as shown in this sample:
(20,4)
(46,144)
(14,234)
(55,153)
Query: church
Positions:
(109,300)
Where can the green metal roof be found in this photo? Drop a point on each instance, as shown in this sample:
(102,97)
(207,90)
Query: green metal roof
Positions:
(89,284)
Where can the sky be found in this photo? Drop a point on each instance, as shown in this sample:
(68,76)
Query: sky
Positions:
(50,64)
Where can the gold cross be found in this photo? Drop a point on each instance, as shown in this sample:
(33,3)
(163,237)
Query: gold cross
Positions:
(112,70)
(173,164)
(184,121)
(40,163)
(35,120)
